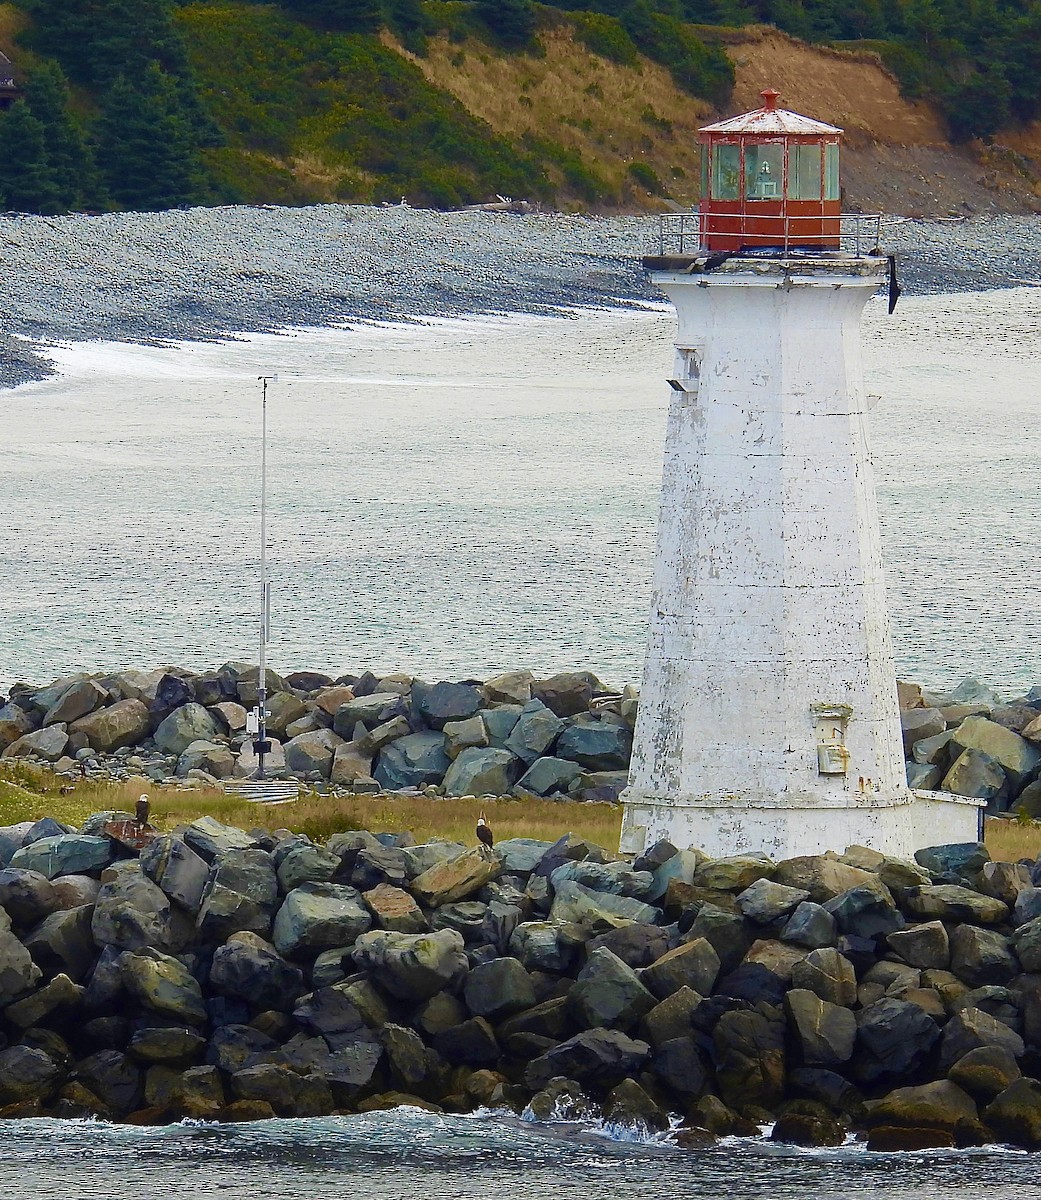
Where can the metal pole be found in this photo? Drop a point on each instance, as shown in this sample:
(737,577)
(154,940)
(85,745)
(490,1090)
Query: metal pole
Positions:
(261,744)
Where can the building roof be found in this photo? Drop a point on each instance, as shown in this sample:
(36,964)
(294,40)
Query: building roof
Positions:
(770,119)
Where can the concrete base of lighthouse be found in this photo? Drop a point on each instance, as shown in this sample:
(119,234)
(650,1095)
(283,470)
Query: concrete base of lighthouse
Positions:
(768,716)
(788,829)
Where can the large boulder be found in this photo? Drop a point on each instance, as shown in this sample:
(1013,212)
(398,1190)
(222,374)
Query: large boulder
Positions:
(1015,1114)
(164,985)
(765,901)
(940,1105)
(919,723)
(894,1038)
(512,687)
(596,745)
(187,724)
(952,902)
(608,994)
(924,946)
(534,731)
(413,761)
(177,870)
(132,912)
(694,964)
(548,775)
(26,896)
(826,1032)
(498,989)
(319,916)
(254,971)
(1017,757)
(305,863)
(596,1058)
(735,873)
(976,774)
(411,967)
(982,956)
(18,973)
(445,702)
(49,744)
(480,772)
(69,854)
(449,881)
(971,1029)
(312,753)
(15,723)
(576,903)
(985,1072)
(62,943)
(393,908)
(828,974)
(27,1074)
(567,693)
(748,1048)
(212,757)
(208,837)
(124,723)
(824,876)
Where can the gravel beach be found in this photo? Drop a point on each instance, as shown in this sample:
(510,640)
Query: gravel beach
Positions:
(211,273)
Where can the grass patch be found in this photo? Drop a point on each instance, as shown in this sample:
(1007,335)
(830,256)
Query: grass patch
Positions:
(29,793)
(1011,840)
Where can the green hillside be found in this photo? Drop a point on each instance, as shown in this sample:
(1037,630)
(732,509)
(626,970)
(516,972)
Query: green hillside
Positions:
(150,104)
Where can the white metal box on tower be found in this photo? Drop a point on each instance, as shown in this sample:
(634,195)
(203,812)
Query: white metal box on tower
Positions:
(768,716)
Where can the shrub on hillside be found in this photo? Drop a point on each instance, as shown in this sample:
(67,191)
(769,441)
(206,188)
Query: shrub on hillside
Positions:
(605,36)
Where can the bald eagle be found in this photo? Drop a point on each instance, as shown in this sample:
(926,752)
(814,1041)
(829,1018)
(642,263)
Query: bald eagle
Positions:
(141,811)
(484,831)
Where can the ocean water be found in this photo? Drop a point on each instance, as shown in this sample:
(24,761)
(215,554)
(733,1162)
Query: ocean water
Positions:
(405,1154)
(455,498)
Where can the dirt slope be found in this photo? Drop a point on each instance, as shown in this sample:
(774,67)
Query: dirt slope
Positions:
(897,156)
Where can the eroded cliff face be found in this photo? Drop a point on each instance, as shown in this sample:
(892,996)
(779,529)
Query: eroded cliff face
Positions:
(898,156)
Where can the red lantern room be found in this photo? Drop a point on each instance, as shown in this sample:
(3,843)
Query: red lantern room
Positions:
(770,182)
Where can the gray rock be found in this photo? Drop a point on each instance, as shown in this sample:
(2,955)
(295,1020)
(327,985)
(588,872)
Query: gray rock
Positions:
(414,761)
(925,946)
(312,753)
(520,856)
(393,908)
(976,774)
(615,877)
(896,1038)
(229,716)
(599,1058)
(18,973)
(583,906)
(498,989)
(537,945)
(26,896)
(307,864)
(567,693)
(212,757)
(608,994)
(189,723)
(534,732)
(132,913)
(985,1072)
(248,762)
(165,1044)
(765,902)
(826,1032)
(810,925)
(933,751)
(124,723)
(972,1028)
(114,1079)
(319,916)
(950,902)
(1017,757)
(513,687)
(411,967)
(596,745)
(1015,1115)
(15,723)
(981,956)
(351,761)
(283,709)
(694,964)
(748,1048)
(368,710)
(175,868)
(547,776)
(464,735)
(922,777)
(829,975)
(252,970)
(1028,906)
(919,723)
(480,772)
(58,996)
(500,723)
(69,854)
(428,854)
(472,1042)
(27,1074)
(163,984)
(62,943)
(208,838)
(957,858)
(445,702)
(48,744)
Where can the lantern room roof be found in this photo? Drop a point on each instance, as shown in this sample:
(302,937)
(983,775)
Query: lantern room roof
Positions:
(771,120)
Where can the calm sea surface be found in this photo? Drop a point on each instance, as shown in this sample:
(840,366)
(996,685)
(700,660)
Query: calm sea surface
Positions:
(458,498)
(407,1154)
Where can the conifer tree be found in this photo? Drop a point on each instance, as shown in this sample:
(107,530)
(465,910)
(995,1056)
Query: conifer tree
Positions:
(26,178)
(69,155)
(147,151)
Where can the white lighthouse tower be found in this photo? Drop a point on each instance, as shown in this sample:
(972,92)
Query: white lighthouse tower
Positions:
(768,716)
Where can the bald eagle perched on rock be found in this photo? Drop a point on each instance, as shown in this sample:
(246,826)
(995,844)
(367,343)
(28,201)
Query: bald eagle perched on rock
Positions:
(484,832)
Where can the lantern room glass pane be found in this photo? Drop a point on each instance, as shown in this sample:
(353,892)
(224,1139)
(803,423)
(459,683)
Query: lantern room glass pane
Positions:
(831,172)
(804,171)
(726,172)
(764,171)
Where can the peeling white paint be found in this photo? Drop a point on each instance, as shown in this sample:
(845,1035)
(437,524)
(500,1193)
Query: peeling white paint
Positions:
(769,607)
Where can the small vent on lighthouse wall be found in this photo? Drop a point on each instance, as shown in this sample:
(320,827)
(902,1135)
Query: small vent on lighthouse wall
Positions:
(688,371)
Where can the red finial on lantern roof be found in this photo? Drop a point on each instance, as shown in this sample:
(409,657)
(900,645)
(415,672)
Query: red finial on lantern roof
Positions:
(770,97)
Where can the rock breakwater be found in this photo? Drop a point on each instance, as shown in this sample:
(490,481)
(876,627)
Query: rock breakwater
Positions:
(568,735)
(512,734)
(215,973)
